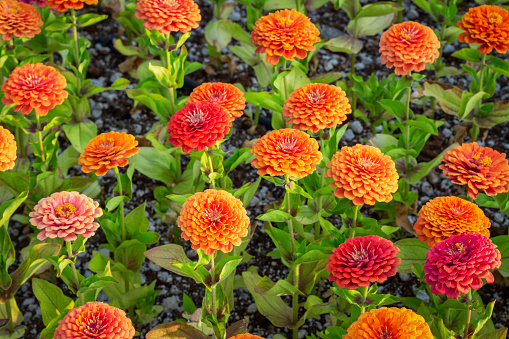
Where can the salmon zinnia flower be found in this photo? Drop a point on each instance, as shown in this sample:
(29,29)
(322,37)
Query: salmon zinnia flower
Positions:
(95,320)
(18,19)
(316,106)
(63,5)
(106,151)
(246,336)
(459,263)
(66,215)
(487,26)
(363,260)
(408,46)
(286,151)
(363,174)
(225,95)
(34,86)
(213,220)
(394,323)
(444,217)
(168,16)
(198,125)
(481,168)
(286,33)
(7,150)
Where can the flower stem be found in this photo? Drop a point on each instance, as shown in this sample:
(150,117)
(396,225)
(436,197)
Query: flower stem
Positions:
(400,13)
(121,206)
(469,314)
(288,210)
(39,134)
(213,287)
(257,113)
(74,19)
(356,210)
(295,302)
(9,315)
(211,167)
(438,64)
(447,320)
(74,272)
(406,186)
(364,290)
(171,90)
(322,179)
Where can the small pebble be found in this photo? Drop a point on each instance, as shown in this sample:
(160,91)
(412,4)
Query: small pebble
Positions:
(447,133)
(348,136)
(499,217)
(427,188)
(356,126)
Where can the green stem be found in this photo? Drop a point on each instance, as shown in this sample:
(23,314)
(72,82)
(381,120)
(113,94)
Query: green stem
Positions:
(288,210)
(438,64)
(447,320)
(295,302)
(9,315)
(213,287)
(77,57)
(74,272)
(171,90)
(39,134)
(400,13)
(354,221)
(364,290)
(352,61)
(257,113)
(217,10)
(20,140)
(178,168)
(121,206)
(406,186)
(322,179)
(469,314)
(211,167)
(481,77)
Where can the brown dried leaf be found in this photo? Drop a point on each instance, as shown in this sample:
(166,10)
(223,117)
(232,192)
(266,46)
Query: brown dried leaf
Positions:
(402,216)
(252,130)
(248,143)
(461,132)
(130,65)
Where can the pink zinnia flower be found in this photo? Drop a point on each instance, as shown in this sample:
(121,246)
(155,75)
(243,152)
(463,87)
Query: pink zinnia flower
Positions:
(363,260)
(459,263)
(66,215)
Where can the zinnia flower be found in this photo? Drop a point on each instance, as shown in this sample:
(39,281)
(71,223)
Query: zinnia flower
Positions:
(246,336)
(487,26)
(459,263)
(107,150)
(363,260)
(213,220)
(18,19)
(316,106)
(39,3)
(481,168)
(286,151)
(286,33)
(363,174)
(95,320)
(168,16)
(444,217)
(7,150)
(63,5)
(408,46)
(34,86)
(66,215)
(198,125)
(392,322)
(225,95)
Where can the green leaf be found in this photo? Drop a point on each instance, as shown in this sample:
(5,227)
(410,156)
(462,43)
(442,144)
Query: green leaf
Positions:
(275,215)
(279,288)
(226,266)
(58,26)
(498,65)
(423,123)
(6,258)
(411,251)
(369,26)
(295,78)
(468,54)
(52,299)
(85,20)
(132,251)
(80,134)
(156,102)
(163,75)
(498,334)
(175,330)
(155,164)
(296,189)
(344,44)
(484,317)
(326,78)
(502,242)
(378,9)
(265,100)
(448,96)
(217,34)
(9,207)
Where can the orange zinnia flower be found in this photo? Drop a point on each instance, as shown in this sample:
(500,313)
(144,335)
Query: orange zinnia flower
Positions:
(316,106)
(225,95)
(481,168)
(286,33)
(487,26)
(168,16)
(7,150)
(409,46)
(286,151)
(95,320)
(107,150)
(444,217)
(34,86)
(246,336)
(63,5)
(213,220)
(18,19)
(394,323)
(363,174)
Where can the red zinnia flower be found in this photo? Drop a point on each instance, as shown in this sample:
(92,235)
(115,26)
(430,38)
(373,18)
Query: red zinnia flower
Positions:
(18,19)
(168,16)
(225,95)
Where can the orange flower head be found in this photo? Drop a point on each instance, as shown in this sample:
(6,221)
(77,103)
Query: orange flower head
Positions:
(408,46)
(107,150)
(213,220)
(34,86)
(363,174)
(18,19)
(63,5)
(246,336)
(286,33)
(316,106)
(166,16)
(444,217)
(7,150)
(286,151)
(225,95)
(392,322)
(487,26)
(481,168)
(95,320)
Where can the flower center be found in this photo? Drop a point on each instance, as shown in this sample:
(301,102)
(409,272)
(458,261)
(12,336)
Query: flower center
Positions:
(195,117)
(65,210)
(359,254)
(108,144)
(32,80)
(494,18)
(171,3)
(315,97)
(213,215)
(408,34)
(456,249)
(384,333)
(284,22)
(217,95)
(93,326)
(286,145)
(367,163)
(481,161)
(14,9)
(457,211)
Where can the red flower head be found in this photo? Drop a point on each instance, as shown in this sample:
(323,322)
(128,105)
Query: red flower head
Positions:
(481,168)
(168,16)
(362,260)
(18,19)
(225,95)
(459,263)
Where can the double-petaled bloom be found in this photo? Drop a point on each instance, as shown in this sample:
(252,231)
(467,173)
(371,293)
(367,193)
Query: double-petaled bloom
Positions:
(225,95)
(286,33)
(487,26)
(213,220)
(246,336)
(408,47)
(66,215)
(106,151)
(34,87)
(63,5)
(95,320)
(7,150)
(18,19)
(286,151)
(167,16)
(480,168)
(444,217)
(316,106)
(389,323)
(363,174)
(459,263)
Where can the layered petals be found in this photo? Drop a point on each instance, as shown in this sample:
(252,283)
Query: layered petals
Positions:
(166,16)
(246,336)
(225,95)
(18,19)
(8,150)
(63,5)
